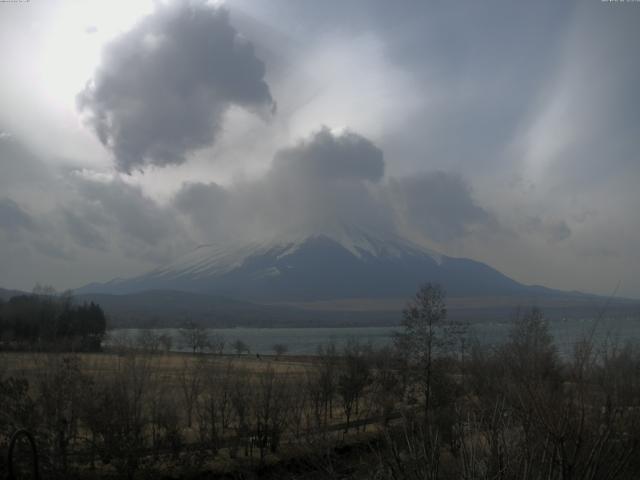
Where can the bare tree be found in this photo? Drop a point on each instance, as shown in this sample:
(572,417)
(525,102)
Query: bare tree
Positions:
(241,401)
(327,378)
(299,404)
(280,349)
(216,343)
(60,385)
(119,341)
(148,341)
(352,380)
(410,452)
(270,399)
(240,347)
(190,378)
(166,342)
(314,417)
(426,334)
(386,382)
(215,408)
(116,416)
(165,422)
(194,336)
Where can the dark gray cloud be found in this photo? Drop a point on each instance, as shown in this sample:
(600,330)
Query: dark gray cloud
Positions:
(558,231)
(326,156)
(67,212)
(193,195)
(124,208)
(331,179)
(20,168)
(163,87)
(14,218)
(324,179)
(552,230)
(34,233)
(439,204)
(82,230)
(30,188)
(205,205)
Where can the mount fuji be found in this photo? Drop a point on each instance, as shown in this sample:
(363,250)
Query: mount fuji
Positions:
(330,264)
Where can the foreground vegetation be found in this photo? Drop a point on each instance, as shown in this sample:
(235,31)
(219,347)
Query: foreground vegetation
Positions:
(432,407)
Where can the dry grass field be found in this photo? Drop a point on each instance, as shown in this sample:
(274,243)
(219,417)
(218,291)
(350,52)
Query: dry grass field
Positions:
(28,363)
(219,411)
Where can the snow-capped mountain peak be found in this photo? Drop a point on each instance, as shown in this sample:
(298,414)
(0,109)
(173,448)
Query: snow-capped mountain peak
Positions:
(362,244)
(337,262)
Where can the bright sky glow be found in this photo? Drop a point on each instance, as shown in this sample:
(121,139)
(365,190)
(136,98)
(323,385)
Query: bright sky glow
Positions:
(73,39)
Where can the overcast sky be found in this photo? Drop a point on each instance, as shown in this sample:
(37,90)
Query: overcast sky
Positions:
(507,132)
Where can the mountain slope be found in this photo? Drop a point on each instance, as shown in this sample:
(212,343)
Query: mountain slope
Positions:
(167,308)
(7,294)
(341,263)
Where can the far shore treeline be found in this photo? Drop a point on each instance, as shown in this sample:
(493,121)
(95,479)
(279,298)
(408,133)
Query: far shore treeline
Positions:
(45,320)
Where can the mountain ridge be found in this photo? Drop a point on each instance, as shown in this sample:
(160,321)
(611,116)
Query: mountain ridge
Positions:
(323,265)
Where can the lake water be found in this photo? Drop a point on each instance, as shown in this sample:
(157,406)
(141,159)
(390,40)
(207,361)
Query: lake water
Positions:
(305,341)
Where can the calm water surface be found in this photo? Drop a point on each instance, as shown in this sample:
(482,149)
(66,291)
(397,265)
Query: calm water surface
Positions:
(305,341)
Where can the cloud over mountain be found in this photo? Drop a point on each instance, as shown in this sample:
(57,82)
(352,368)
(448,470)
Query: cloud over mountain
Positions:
(439,204)
(438,125)
(325,178)
(328,156)
(163,87)
(330,179)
